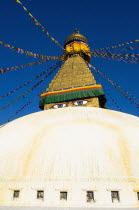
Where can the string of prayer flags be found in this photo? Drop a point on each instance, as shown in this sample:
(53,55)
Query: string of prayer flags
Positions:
(31,89)
(119,45)
(119,59)
(28,82)
(112,99)
(134,47)
(35,55)
(21,109)
(22,66)
(109,58)
(38,24)
(129,58)
(115,86)
(121,55)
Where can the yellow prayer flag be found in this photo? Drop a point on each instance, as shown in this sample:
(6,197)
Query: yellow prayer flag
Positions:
(18,1)
(30,14)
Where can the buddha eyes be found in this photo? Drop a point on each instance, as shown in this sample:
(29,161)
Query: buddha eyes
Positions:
(79,103)
(59,106)
(76,103)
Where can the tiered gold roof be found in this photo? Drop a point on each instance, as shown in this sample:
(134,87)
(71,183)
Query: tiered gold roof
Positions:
(74,72)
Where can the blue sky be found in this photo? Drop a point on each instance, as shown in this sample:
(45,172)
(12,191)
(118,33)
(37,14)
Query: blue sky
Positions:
(104,23)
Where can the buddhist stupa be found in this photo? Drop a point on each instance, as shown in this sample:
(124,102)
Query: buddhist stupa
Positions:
(75,152)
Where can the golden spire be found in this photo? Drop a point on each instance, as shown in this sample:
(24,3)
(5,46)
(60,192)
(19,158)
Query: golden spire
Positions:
(74,81)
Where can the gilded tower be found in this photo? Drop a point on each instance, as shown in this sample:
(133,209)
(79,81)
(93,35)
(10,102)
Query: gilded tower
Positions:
(74,84)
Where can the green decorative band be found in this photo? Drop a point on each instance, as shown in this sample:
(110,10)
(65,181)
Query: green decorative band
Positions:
(74,95)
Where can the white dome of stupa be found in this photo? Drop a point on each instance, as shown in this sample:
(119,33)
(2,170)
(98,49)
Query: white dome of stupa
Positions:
(74,151)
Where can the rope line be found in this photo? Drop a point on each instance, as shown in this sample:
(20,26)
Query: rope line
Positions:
(28,90)
(21,109)
(118,54)
(134,47)
(114,85)
(19,50)
(128,58)
(38,24)
(118,59)
(119,45)
(22,66)
(112,99)
(28,82)
(24,106)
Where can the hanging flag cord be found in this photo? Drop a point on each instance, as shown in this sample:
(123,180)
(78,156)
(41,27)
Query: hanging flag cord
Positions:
(133,47)
(22,66)
(38,24)
(113,50)
(35,55)
(128,58)
(21,109)
(112,99)
(115,85)
(116,46)
(28,82)
(25,105)
(31,89)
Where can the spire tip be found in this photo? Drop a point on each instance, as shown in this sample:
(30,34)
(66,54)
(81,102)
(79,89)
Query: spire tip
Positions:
(76,31)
